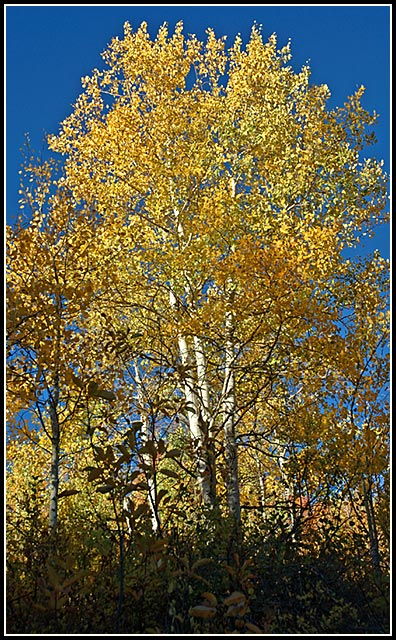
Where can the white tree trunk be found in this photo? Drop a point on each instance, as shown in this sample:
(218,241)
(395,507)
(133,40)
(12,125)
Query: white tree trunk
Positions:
(147,435)
(229,404)
(202,382)
(229,409)
(194,410)
(196,392)
(205,412)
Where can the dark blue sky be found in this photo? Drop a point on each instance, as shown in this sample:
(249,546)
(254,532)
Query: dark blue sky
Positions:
(49,49)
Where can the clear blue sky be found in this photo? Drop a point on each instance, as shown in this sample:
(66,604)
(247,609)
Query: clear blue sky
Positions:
(49,49)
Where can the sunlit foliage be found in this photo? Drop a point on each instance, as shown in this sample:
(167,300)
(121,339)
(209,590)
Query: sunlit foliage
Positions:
(197,353)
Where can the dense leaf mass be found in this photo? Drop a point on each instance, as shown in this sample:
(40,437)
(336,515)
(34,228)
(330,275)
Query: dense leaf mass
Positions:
(197,354)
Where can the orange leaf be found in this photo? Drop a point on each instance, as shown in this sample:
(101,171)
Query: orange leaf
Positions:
(235,598)
(201,611)
(210,597)
(253,627)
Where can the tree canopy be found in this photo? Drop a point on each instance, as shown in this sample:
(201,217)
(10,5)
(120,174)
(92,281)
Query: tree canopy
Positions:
(197,353)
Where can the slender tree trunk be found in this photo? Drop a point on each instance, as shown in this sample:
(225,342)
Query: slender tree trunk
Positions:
(288,490)
(121,581)
(372,528)
(54,419)
(196,393)
(205,414)
(147,436)
(261,481)
(229,409)
(55,444)
(229,406)
(194,412)
(202,378)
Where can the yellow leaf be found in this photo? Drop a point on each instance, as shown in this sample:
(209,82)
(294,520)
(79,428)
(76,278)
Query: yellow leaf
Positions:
(210,597)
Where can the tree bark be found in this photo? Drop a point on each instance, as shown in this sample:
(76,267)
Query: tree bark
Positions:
(205,413)
(196,392)
(55,445)
(261,482)
(147,436)
(372,528)
(54,396)
(229,408)
(194,421)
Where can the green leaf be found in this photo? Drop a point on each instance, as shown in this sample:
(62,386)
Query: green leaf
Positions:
(68,492)
(124,450)
(95,392)
(173,453)
(146,467)
(131,437)
(140,509)
(149,447)
(109,453)
(161,446)
(106,488)
(190,408)
(200,563)
(100,453)
(169,473)
(94,474)
(161,494)
(53,577)
(142,485)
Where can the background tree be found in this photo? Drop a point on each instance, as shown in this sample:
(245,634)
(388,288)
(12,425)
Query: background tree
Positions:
(49,289)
